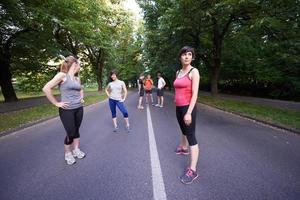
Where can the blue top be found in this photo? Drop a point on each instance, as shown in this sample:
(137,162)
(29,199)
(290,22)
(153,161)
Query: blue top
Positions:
(70,92)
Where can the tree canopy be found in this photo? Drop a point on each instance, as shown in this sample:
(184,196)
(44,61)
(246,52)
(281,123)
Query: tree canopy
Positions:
(246,47)
(242,46)
(100,32)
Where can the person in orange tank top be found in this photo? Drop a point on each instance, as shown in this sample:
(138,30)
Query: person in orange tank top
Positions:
(186,87)
(148,89)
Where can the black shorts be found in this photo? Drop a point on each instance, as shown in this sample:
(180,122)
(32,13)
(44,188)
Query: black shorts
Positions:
(188,131)
(148,91)
(142,92)
(160,92)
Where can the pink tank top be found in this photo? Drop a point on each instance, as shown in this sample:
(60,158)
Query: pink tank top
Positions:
(183,90)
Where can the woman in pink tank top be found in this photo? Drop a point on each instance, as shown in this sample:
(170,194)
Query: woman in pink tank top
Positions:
(186,87)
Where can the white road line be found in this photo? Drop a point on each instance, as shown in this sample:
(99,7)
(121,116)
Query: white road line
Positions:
(159,192)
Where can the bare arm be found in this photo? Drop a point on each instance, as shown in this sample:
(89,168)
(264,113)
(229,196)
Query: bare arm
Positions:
(164,83)
(47,89)
(81,91)
(195,86)
(125,92)
(81,94)
(139,86)
(107,90)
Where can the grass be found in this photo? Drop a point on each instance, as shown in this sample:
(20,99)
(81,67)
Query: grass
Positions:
(281,117)
(19,118)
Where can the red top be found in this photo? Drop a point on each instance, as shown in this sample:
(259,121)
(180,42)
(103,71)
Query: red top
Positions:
(148,84)
(183,90)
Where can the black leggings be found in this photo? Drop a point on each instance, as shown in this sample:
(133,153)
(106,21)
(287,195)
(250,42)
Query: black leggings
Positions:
(71,119)
(188,131)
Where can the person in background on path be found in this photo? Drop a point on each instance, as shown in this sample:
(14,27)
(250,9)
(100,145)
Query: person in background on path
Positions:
(148,88)
(186,87)
(160,90)
(70,106)
(141,91)
(117,92)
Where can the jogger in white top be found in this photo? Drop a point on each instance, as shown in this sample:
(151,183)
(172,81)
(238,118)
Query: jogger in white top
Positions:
(160,90)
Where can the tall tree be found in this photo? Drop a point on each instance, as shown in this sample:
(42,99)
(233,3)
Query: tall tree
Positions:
(202,24)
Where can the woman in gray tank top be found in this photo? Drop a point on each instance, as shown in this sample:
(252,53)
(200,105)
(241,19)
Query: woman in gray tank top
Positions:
(70,106)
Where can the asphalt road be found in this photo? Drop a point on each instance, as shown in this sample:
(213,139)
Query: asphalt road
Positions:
(239,159)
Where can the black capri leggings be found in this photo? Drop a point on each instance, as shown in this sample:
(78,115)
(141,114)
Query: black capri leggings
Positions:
(188,131)
(71,120)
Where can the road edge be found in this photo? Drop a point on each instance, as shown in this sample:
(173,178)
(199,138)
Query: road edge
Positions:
(31,124)
(263,122)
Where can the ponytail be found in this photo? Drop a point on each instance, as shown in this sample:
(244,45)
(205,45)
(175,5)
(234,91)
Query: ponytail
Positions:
(66,65)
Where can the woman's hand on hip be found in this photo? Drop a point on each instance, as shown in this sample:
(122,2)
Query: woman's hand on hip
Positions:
(62,104)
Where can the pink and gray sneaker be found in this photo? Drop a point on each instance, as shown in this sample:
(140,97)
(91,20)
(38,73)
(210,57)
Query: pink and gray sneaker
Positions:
(181,151)
(189,176)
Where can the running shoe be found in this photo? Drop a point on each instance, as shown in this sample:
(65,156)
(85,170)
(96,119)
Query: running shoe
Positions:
(178,150)
(77,153)
(116,129)
(161,106)
(189,176)
(157,105)
(69,158)
(128,129)
(140,107)
(181,151)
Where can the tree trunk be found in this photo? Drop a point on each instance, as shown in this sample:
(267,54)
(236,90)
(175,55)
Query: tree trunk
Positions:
(5,74)
(214,77)
(100,73)
(216,53)
(100,67)
(97,59)
(99,81)
(5,81)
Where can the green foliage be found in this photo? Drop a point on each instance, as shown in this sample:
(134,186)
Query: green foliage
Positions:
(266,62)
(32,82)
(259,49)
(100,32)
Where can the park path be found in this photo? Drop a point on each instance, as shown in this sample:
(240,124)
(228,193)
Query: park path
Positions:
(239,159)
(30,102)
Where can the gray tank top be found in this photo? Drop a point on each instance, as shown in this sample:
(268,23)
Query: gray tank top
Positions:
(70,92)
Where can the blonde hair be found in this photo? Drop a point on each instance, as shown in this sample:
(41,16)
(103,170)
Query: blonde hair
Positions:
(66,65)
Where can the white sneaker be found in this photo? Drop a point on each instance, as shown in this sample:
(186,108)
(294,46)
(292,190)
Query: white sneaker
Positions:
(69,158)
(77,153)
(157,105)
(161,106)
